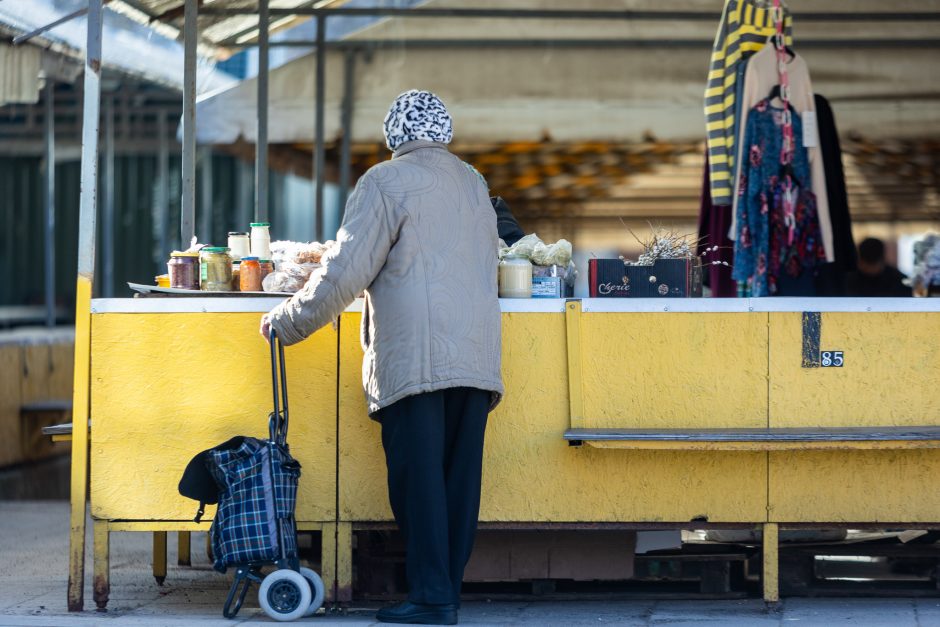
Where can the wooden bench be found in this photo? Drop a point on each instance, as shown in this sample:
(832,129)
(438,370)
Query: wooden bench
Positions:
(760,439)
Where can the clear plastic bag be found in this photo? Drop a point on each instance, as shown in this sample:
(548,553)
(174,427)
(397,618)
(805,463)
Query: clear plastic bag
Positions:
(289,277)
(540,253)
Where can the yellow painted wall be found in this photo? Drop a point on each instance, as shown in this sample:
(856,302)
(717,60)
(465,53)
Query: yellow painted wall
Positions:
(530,473)
(677,370)
(167,386)
(891,377)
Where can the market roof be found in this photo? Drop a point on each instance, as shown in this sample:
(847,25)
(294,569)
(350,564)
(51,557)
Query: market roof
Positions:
(148,52)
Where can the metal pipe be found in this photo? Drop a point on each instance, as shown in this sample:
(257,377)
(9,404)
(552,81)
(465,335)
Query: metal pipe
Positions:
(319,157)
(205,189)
(88,203)
(600,44)
(261,146)
(188,204)
(163,190)
(572,14)
(49,202)
(345,157)
(107,252)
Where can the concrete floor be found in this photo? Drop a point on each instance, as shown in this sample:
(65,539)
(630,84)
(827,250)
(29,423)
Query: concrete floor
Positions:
(34,560)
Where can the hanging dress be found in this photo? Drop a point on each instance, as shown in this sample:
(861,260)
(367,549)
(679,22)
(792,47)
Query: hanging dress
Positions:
(769,243)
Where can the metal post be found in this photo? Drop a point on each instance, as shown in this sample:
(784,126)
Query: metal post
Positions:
(261,146)
(49,202)
(205,190)
(107,252)
(188,207)
(162,213)
(349,94)
(319,156)
(83,289)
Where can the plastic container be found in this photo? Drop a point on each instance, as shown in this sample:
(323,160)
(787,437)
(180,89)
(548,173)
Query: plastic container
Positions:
(183,269)
(249,278)
(515,277)
(163,280)
(239,243)
(215,269)
(261,240)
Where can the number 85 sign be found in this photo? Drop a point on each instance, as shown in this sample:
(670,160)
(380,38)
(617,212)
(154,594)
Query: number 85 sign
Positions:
(831,359)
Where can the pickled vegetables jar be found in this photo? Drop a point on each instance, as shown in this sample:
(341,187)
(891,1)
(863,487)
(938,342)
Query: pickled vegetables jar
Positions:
(215,269)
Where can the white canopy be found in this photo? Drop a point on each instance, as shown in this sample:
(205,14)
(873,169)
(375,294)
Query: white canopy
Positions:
(578,94)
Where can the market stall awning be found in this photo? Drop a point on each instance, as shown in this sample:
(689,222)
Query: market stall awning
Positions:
(577,80)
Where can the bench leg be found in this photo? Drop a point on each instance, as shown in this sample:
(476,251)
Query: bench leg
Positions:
(102,566)
(183,549)
(771,563)
(159,556)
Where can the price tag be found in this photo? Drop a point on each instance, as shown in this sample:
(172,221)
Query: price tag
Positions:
(810,131)
(831,359)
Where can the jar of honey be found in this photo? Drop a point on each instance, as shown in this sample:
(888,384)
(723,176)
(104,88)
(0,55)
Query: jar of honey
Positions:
(515,277)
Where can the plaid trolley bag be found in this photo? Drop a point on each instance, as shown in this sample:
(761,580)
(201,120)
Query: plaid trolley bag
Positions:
(256,486)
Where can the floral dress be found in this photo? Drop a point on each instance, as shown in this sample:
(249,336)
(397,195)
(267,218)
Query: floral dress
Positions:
(767,244)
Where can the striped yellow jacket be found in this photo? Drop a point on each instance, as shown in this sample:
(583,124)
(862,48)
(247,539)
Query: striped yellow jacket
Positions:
(745,27)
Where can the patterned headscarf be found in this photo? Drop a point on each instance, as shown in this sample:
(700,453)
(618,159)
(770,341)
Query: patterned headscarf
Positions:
(417,115)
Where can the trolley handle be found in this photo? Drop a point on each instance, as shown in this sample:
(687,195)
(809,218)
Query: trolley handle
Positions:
(277,425)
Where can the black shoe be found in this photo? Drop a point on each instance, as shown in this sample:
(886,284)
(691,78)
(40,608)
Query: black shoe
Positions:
(418,614)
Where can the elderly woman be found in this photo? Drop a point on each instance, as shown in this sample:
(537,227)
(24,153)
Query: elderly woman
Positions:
(419,237)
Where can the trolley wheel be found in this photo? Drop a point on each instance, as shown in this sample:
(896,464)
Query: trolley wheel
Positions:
(284,595)
(316,587)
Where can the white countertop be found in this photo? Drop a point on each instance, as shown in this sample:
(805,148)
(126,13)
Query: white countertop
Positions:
(236,304)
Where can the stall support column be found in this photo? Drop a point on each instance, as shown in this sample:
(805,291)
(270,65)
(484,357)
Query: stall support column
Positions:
(771,563)
(344,562)
(319,152)
(102,568)
(349,94)
(83,288)
(183,549)
(107,253)
(188,206)
(162,209)
(328,560)
(49,202)
(261,146)
(159,557)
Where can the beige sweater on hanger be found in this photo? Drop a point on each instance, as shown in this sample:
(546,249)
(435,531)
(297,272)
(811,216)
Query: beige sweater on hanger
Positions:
(759,78)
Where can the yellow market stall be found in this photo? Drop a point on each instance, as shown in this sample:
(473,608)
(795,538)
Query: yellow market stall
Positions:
(673,413)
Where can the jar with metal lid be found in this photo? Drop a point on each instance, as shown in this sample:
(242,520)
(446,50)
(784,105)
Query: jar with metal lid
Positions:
(215,264)
(515,277)
(239,243)
(261,240)
(250,275)
(236,275)
(267,267)
(183,269)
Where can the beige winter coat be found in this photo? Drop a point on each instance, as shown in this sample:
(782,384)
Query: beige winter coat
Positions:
(419,236)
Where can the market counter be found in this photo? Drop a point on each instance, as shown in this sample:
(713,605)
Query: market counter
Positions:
(180,375)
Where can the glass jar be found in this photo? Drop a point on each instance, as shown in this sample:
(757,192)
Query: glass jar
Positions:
(267,267)
(183,269)
(236,275)
(239,243)
(261,240)
(250,275)
(215,269)
(515,277)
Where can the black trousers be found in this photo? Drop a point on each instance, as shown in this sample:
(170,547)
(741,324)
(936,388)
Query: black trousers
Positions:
(434,451)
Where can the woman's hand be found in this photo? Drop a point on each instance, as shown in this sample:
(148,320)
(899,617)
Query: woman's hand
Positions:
(265,328)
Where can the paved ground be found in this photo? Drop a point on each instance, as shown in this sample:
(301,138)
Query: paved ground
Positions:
(34,565)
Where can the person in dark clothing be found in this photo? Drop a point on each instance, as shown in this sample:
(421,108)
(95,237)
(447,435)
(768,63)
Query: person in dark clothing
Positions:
(874,276)
(509,230)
